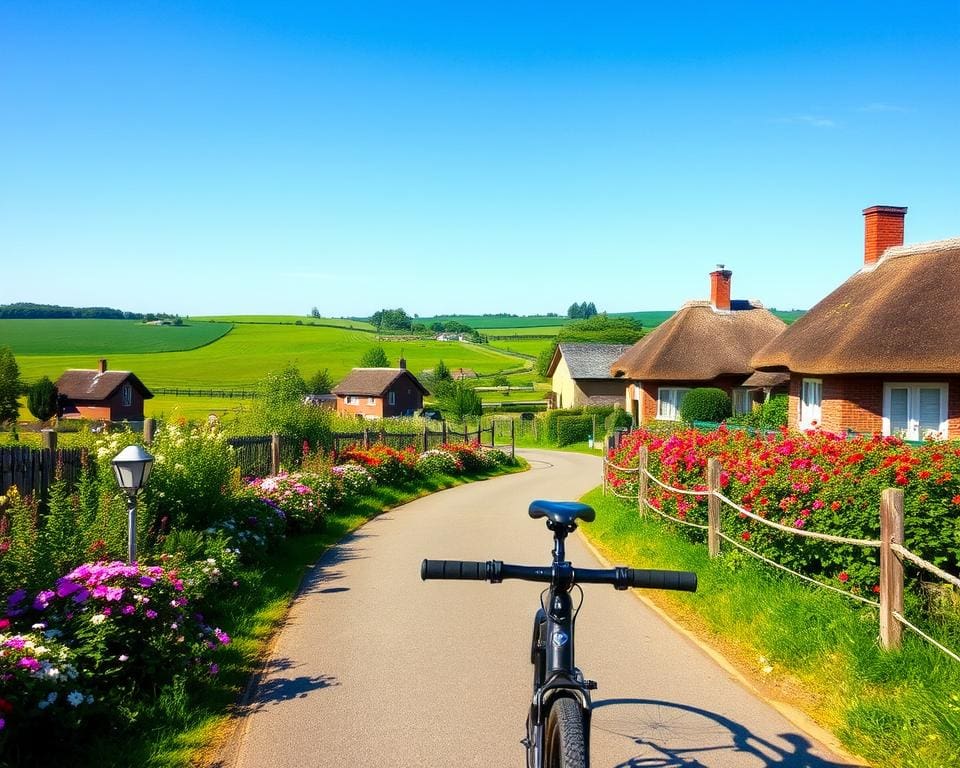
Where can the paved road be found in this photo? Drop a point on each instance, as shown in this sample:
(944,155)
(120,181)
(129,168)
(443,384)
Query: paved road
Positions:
(376,668)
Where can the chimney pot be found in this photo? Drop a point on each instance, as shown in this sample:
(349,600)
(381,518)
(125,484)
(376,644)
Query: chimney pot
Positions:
(103,365)
(883,228)
(403,364)
(720,289)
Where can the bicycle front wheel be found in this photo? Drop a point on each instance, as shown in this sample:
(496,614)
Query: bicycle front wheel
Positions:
(565,744)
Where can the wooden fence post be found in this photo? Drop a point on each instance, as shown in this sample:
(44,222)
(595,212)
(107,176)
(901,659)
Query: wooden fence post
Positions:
(513,426)
(49,437)
(426,444)
(443,427)
(642,480)
(366,438)
(275,454)
(149,427)
(891,569)
(713,507)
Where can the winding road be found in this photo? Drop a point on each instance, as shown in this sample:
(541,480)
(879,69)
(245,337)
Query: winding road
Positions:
(375,668)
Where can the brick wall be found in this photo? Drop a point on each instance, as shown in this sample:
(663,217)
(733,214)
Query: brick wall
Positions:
(649,389)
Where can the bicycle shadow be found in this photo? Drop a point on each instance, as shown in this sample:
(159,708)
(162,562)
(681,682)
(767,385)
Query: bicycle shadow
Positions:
(325,570)
(674,735)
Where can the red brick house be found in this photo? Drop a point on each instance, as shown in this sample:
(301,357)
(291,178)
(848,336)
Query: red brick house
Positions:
(101,395)
(379,392)
(703,344)
(881,354)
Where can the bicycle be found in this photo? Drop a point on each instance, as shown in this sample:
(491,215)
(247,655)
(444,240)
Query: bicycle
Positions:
(558,723)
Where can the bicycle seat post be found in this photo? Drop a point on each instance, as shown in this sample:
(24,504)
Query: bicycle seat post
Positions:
(559,536)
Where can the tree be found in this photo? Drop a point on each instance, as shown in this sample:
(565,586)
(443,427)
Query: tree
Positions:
(11,387)
(320,383)
(441,372)
(42,399)
(314,312)
(282,388)
(374,357)
(391,319)
(460,401)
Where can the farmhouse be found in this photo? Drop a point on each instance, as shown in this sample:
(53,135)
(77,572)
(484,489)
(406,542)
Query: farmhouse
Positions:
(580,374)
(703,344)
(380,392)
(881,353)
(101,395)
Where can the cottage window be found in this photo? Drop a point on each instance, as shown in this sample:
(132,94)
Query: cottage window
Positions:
(669,400)
(351,400)
(915,411)
(392,398)
(811,396)
(126,395)
(741,401)
(371,401)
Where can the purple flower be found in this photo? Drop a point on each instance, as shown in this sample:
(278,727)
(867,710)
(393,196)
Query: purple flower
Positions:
(3,723)
(15,642)
(222,636)
(81,596)
(114,593)
(42,600)
(127,610)
(214,669)
(65,587)
(28,662)
(146,582)
(151,614)
(16,597)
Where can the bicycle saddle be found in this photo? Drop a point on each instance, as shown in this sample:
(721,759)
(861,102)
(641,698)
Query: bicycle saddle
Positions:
(561,512)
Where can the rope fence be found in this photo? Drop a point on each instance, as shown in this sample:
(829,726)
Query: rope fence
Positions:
(892,552)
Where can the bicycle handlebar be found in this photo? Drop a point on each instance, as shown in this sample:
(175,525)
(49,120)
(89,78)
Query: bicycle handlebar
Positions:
(495,571)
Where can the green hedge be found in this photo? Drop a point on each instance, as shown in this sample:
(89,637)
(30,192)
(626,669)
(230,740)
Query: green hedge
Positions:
(617,420)
(706,404)
(573,429)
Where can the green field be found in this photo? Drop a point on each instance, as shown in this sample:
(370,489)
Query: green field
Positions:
(335,322)
(245,355)
(103,337)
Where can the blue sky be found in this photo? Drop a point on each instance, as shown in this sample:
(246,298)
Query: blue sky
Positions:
(214,157)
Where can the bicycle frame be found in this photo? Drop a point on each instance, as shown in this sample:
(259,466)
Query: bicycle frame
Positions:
(553,655)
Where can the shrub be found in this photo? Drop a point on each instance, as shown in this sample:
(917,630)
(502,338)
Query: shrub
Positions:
(619,419)
(769,416)
(304,499)
(388,466)
(706,404)
(470,455)
(42,399)
(573,429)
(438,462)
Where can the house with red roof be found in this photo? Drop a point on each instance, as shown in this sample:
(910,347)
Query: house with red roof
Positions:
(101,395)
(881,353)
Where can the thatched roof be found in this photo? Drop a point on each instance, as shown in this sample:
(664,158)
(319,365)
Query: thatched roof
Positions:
(766,379)
(900,315)
(80,384)
(587,361)
(374,382)
(700,343)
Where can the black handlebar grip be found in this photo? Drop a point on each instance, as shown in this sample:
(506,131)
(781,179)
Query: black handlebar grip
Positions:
(685,581)
(453,569)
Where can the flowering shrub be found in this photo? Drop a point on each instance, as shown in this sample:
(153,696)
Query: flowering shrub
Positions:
(100,634)
(386,465)
(439,462)
(470,455)
(303,499)
(354,479)
(815,481)
(253,525)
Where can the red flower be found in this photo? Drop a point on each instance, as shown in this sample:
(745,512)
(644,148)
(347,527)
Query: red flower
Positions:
(956,499)
(876,589)
(745,535)
(844,577)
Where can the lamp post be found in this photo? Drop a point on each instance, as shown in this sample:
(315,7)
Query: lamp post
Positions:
(132,467)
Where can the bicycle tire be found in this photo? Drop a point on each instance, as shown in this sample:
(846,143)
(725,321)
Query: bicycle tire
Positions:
(565,742)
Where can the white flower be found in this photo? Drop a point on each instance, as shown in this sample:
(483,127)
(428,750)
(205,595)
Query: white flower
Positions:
(75,698)
(40,650)
(53,672)
(98,618)
(41,625)
(123,657)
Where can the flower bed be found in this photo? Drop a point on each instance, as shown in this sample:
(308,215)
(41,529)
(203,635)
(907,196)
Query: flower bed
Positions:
(815,481)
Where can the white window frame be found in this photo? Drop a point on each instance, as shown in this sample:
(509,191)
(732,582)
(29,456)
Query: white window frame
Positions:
(352,399)
(371,401)
(746,404)
(810,415)
(126,395)
(391,398)
(913,403)
(675,403)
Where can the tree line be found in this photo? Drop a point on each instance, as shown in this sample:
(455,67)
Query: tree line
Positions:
(29,311)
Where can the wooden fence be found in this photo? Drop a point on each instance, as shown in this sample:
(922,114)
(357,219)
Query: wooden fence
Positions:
(892,552)
(32,470)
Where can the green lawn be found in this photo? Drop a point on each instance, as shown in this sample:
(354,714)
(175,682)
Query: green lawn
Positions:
(103,337)
(288,320)
(531,347)
(242,357)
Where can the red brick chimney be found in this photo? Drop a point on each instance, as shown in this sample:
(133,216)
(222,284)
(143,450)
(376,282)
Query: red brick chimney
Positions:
(883,228)
(102,368)
(720,288)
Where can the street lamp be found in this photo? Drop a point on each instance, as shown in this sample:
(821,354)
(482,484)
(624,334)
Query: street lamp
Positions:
(132,467)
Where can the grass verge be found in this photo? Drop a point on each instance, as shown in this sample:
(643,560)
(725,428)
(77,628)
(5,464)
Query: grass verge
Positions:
(188,727)
(809,648)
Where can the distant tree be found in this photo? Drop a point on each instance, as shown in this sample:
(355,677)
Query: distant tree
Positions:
(282,388)
(314,312)
(591,310)
(178,321)
(573,312)
(436,326)
(441,372)
(11,386)
(391,319)
(320,383)
(42,399)
(375,357)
